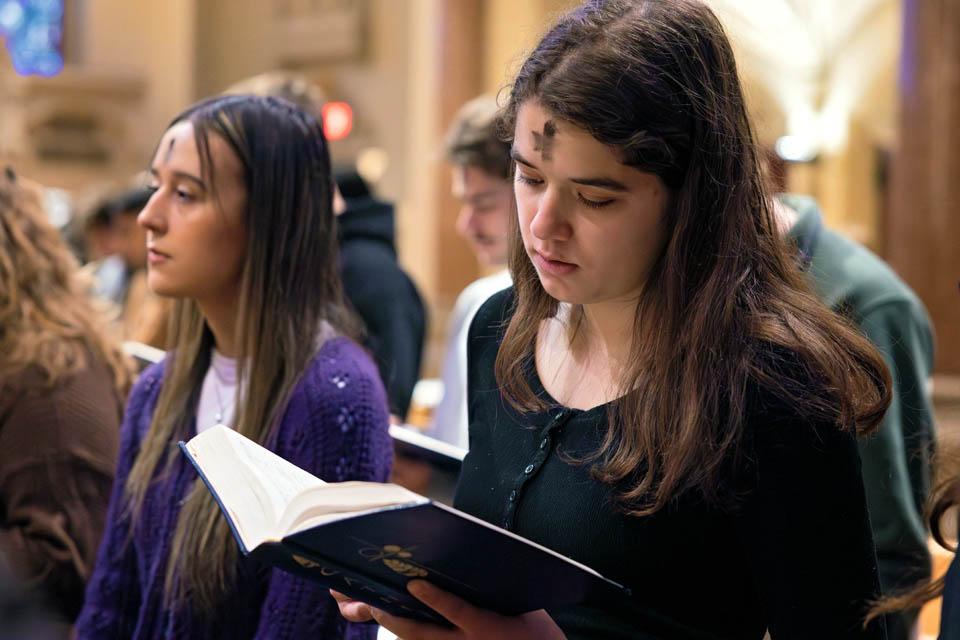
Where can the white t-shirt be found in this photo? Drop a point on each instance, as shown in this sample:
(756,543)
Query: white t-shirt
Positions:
(218,396)
(450,418)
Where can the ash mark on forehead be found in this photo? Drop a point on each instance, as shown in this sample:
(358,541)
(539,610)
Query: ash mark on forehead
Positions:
(169,153)
(543,142)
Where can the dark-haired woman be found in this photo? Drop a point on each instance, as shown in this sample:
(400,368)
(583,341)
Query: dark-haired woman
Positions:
(660,396)
(240,230)
(62,384)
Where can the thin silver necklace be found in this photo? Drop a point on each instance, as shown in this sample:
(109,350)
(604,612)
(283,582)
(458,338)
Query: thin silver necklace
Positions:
(216,392)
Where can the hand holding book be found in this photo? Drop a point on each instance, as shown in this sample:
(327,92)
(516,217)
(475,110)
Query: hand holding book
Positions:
(469,621)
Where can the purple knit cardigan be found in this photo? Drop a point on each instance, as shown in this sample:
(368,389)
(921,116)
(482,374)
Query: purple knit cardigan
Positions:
(334,427)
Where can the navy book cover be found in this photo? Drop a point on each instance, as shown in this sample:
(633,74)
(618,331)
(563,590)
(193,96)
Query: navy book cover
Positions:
(371,555)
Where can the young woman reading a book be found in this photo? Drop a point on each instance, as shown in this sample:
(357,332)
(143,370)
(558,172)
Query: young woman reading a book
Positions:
(240,230)
(660,396)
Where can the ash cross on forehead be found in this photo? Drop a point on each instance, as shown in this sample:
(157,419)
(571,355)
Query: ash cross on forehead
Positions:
(543,142)
(169,153)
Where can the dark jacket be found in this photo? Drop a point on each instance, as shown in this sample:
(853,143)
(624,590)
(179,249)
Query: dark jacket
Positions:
(383,295)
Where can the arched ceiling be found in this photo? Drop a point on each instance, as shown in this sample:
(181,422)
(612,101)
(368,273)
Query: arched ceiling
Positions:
(817,63)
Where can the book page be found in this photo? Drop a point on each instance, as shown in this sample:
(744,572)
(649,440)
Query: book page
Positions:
(338,499)
(252,484)
(266,497)
(282,480)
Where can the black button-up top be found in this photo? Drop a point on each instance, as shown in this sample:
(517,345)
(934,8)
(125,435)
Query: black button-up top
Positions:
(794,555)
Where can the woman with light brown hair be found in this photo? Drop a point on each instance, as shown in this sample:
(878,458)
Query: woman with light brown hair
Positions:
(660,396)
(62,384)
(241,235)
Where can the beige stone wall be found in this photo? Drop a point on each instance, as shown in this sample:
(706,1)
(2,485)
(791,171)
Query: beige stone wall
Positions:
(180,50)
(388,92)
(512,29)
(152,41)
(129,73)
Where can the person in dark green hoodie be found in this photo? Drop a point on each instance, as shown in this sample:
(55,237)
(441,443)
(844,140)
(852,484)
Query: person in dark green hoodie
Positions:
(896,460)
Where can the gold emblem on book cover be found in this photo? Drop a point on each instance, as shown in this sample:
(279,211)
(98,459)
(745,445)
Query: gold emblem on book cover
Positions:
(305,562)
(396,558)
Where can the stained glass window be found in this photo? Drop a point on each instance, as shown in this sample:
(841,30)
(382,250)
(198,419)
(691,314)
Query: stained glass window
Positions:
(33,30)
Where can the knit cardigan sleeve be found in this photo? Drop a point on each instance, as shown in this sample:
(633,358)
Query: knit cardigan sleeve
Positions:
(113,592)
(335,427)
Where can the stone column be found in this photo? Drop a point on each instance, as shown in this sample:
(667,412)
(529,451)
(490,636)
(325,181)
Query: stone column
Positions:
(460,73)
(923,224)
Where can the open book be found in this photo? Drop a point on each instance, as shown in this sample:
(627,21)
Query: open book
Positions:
(368,540)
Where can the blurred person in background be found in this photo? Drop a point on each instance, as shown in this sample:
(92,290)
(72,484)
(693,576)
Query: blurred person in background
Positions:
(381,293)
(896,460)
(62,387)
(143,315)
(91,237)
(88,234)
(129,240)
(117,248)
(375,285)
(482,183)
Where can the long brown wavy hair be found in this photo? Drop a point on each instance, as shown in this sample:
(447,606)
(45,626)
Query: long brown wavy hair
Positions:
(48,320)
(290,290)
(656,82)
